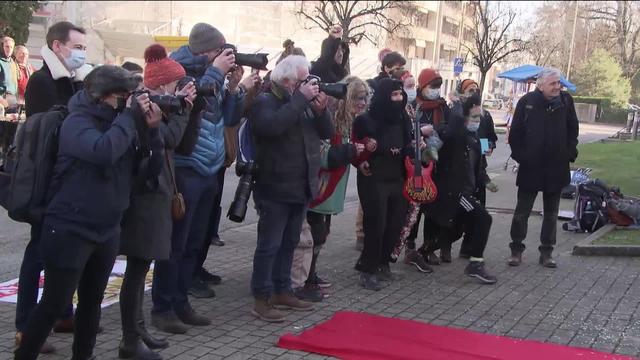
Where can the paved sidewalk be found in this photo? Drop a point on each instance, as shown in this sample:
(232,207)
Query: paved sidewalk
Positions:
(586,301)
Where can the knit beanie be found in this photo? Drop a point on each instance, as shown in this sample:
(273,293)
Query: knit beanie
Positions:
(464,85)
(204,37)
(160,70)
(427,76)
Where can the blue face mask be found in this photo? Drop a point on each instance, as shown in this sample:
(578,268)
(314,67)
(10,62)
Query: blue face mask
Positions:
(473,126)
(411,94)
(76,59)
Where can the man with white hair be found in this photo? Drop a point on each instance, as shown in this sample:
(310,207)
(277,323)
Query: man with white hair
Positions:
(543,139)
(288,123)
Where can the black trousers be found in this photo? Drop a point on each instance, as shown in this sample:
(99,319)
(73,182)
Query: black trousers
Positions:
(214,225)
(320,227)
(132,296)
(384,211)
(430,232)
(71,262)
(520,222)
(472,218)
(481,196)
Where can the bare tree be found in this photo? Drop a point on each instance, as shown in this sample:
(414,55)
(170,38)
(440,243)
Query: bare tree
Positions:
(491,42)
(357,18)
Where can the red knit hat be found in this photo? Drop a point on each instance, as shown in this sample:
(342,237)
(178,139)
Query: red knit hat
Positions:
(427,76)
(160,70)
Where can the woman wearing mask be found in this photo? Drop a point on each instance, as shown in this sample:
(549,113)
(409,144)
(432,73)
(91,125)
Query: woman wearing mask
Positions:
(146,226)
(433,113)
(337,154)
(381,178)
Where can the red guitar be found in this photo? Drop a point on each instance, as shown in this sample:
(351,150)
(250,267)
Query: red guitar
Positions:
(419,187)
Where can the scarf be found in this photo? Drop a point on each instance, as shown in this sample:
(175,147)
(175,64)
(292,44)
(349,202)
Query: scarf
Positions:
(432,105)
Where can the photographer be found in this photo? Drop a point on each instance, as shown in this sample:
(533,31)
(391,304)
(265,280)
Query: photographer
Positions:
(288,123)
(90,191)
(196,175)
(146,226)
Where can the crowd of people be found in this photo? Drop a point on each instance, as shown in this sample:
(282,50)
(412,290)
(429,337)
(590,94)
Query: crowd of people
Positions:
(137,175)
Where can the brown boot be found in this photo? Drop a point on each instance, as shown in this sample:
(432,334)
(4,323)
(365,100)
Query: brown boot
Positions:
(515,259)
(263,310)
(290,302)
(547,261)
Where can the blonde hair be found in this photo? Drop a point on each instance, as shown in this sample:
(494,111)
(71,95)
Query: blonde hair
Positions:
(343,118)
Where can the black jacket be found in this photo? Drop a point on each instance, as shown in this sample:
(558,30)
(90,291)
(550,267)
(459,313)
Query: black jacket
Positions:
(373,83)
(544,139)
(325,67)
(43,91)
(94,171)
(287,135)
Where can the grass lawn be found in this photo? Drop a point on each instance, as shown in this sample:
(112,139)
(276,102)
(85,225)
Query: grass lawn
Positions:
(617,163)
(620,237)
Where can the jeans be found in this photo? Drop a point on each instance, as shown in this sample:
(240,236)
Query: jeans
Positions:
(520,222)
(172,277)
(88,273)
(279,227)
(131,297)
(214,223)
(29,281)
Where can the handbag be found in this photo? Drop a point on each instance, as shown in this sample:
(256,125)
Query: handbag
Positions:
(178,207)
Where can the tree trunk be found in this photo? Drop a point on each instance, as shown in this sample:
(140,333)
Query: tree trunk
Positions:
(483,78)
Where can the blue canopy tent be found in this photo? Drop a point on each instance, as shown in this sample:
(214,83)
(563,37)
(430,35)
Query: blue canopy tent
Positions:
(526,73)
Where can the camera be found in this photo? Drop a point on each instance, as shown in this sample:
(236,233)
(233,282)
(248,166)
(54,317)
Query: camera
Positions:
(238,208)
(336,90)
(202,90)
(255,61)
(166,103)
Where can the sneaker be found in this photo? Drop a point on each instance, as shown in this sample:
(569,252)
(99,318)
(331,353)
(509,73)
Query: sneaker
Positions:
(263,310)
(476,269)
(208,277)
(369,281)
(168,322)
(309,292)
(190,317)
(384,273)
(315,279)
(200,290)
(547,261)
(412,257)
(515,259)
(288,301)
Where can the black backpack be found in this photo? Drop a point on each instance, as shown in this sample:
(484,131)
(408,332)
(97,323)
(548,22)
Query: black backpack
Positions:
(590,213)
(36,148)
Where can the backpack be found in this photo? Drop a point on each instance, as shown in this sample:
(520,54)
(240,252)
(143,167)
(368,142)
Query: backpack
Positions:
(36,146)
(591,209)
(577,177)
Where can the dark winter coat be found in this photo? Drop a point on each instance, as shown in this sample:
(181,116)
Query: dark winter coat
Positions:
(94,170)
(43,91)
(325,67)
(147,224)
(544,140)
(287,135)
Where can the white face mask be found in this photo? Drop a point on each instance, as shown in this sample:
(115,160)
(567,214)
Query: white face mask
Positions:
(432,94)
(473,126)
(411,94)
(76,59)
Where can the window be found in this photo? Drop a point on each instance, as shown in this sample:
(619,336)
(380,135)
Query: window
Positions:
(449,28)
(468,34)
(422,20)
(421,52)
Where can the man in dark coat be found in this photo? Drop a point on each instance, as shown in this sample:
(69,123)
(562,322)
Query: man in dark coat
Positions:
(392,66)
(288,123)
(543,139)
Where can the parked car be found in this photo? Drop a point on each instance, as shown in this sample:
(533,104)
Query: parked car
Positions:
(493,103)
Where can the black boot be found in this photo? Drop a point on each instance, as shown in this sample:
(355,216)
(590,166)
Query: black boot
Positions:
(149,340)
(135,348)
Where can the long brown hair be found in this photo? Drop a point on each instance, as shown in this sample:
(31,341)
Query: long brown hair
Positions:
(343,118)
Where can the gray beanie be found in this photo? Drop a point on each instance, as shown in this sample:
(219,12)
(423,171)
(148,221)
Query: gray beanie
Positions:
(205,37)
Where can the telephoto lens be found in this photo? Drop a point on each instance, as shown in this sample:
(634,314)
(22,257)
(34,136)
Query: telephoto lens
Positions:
(238,208)
(255,61)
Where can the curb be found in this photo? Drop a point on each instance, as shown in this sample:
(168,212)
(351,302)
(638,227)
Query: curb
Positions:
(587,248)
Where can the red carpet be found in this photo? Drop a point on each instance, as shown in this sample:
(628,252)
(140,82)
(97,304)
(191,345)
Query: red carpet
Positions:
(362,336)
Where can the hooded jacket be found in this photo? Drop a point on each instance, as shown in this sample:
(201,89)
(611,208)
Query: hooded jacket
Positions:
(326,67)
(93,175)
(219,111)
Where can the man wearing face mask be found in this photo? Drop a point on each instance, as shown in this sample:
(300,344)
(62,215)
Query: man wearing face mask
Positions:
(457,176)
(288,123)
(89,192)
(53,84)
(432,112)
(392,66)
(543,140)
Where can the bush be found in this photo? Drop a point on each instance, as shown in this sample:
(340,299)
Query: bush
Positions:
(601,76)
(614,115)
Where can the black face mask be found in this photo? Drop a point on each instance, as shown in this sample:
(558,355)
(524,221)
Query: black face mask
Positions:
(397,105)
(121,103)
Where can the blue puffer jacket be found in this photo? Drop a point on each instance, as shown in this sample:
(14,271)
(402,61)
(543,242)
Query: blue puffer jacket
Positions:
(224,110)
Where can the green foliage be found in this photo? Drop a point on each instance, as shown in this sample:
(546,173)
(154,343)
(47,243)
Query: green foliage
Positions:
(601,76)
(15,17)
(611,162)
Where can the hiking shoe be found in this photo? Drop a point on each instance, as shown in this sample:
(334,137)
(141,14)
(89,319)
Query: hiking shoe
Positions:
(547,261)
(200,290)
(208,277)
(384,273)
(169,323)
(46,348)
(315,279)
(515,259)
(288,301)
(412,257)
(476,269)
(309,292)
(445,255)
(432,258)
(190,317)
(263,310)
(369,281)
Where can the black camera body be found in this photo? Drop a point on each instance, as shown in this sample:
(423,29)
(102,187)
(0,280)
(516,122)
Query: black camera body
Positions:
(206,90)
(166,103)
(238,208)
(336,90)
(254,61)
